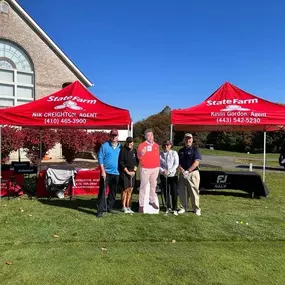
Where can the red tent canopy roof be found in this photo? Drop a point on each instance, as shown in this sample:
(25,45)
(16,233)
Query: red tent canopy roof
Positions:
(73,106)
(230,109)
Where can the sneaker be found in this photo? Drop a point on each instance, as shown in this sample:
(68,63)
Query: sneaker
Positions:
(125,210)
(130,211)
(181,211)
(175,213)
(198,212)
(110,211)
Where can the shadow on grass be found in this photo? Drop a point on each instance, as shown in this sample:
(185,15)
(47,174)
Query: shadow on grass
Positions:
(232,193)
(88,206)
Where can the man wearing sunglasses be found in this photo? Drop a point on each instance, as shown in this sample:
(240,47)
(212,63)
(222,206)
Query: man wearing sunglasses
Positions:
(108,158)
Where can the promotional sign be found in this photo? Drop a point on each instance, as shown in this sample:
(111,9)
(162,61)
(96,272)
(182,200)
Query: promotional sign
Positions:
(147,208)
(73,106)
(23,164)
(11,184)
(86,182)
(230,108)
(26,170)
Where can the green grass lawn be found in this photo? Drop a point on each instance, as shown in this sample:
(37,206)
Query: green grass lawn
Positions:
(254,156)
(61,242)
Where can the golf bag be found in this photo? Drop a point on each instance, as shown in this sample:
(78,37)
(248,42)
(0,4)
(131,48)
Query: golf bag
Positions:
(58,181)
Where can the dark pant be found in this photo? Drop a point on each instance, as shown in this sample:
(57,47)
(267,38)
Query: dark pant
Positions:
(112,181)
(172,183)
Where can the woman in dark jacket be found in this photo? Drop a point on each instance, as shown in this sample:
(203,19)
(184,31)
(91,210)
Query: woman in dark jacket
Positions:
(128,163)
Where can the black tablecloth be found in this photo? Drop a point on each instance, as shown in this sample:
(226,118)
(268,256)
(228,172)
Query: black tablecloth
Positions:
(250,182)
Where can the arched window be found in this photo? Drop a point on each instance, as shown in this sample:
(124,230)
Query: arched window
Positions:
(4,7)
(16,75)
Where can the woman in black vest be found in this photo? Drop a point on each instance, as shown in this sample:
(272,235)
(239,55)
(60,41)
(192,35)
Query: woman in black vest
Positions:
(128,162)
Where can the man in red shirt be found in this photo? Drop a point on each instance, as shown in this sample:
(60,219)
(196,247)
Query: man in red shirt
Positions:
(148,154)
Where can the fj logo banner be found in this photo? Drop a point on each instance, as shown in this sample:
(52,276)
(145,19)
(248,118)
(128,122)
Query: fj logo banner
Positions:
(222,178)
(221,182)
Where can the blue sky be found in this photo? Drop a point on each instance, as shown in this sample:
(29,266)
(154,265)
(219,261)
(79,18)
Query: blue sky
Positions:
(145,54)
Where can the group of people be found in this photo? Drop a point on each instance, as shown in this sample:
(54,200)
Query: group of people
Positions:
(178,172)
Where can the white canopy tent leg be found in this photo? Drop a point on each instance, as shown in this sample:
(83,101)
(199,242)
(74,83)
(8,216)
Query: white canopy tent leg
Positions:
(264,156)
(171,133)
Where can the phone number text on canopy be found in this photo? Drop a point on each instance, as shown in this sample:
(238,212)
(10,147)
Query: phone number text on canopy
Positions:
(55,121)
(241,120)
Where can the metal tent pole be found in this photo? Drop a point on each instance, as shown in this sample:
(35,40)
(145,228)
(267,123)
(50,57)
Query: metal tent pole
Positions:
(41,151)
(264,156)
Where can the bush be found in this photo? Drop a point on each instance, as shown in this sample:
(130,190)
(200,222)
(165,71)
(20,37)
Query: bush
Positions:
(32,142)
(96,139)
(12,140)
(73,141)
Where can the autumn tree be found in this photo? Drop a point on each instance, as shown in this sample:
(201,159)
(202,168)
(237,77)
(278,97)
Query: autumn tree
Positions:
(96,139)
(159,123)
(32,139)
(72,141)
(11,140)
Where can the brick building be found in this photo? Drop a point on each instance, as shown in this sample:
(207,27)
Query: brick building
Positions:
(31,64)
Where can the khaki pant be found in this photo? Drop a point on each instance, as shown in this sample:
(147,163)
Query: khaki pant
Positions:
(148,175)
(189,187)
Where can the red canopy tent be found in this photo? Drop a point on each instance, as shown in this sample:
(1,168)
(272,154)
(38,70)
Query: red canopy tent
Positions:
(230,109)
(73,106)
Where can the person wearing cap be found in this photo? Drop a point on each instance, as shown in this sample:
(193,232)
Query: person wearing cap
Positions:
(148,154)
(128,163)
(169,163)
(189,178)
(108,159)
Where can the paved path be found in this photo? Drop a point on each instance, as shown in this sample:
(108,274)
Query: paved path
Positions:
(227,162)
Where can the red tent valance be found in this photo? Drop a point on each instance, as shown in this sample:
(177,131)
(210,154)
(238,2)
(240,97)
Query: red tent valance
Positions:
(73,106)
(230,109)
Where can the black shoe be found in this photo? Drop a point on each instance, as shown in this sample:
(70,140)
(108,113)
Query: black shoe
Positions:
(153,205)
(110,211)
(99,214)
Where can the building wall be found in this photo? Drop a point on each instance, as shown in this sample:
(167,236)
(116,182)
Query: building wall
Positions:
(50,71)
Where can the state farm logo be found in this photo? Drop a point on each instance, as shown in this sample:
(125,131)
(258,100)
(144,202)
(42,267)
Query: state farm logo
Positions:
(68,104)
(230,108)
(232,102)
